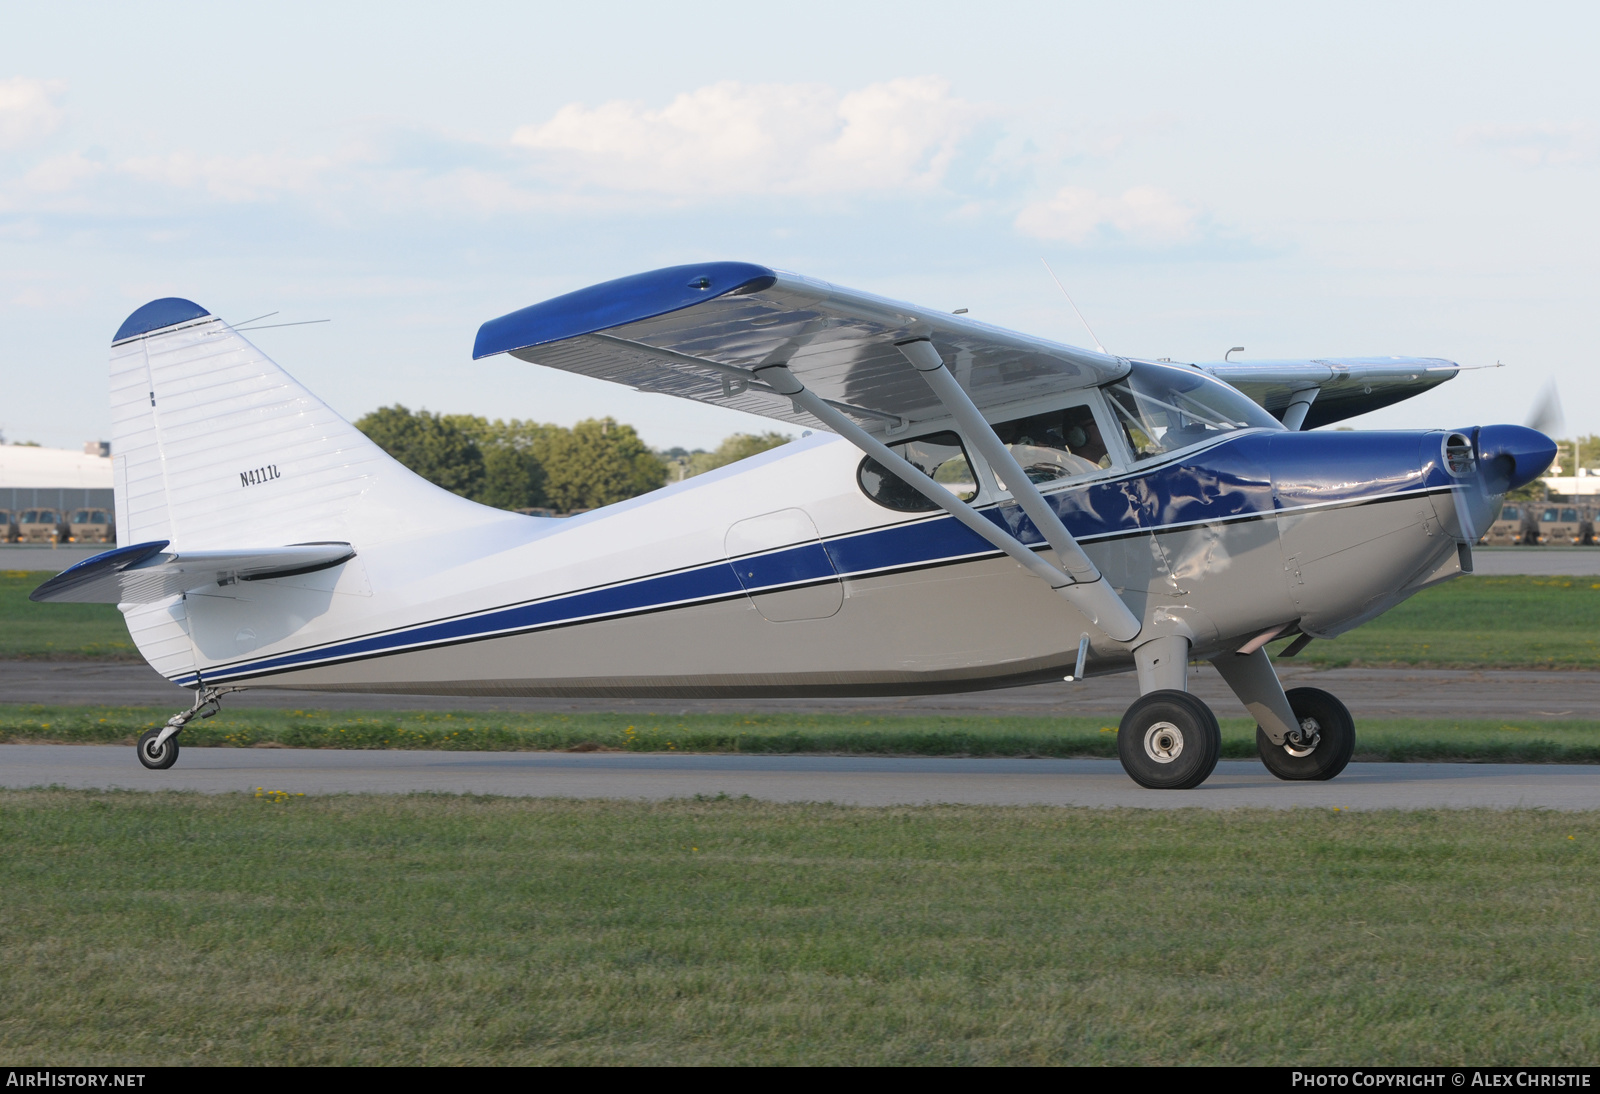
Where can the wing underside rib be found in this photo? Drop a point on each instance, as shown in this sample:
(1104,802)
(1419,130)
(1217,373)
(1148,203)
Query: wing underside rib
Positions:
(838,342)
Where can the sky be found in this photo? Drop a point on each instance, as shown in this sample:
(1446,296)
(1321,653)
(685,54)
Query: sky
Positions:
(1302,180)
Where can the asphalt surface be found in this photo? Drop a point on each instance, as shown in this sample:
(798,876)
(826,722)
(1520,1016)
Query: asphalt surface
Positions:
(1536,561)
(848,780)
(1370,693)
(44,558)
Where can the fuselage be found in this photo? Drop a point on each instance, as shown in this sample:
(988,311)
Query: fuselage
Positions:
(779,576)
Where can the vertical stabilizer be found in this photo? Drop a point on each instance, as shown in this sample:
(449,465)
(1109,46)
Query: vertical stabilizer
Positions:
(218,448)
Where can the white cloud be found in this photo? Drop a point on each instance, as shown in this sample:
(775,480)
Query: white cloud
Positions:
(38,299)
(239,179)
(1544,144)
(60,173)
(732,138)
(27,110)
(723,139)
(1145,214)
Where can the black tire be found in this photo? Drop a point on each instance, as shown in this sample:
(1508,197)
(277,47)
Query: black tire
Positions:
(1169,740)
(157,760)
(1333,743)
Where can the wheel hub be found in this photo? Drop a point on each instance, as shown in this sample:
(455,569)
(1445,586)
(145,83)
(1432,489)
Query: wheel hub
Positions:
(1163,742)
(1303,742)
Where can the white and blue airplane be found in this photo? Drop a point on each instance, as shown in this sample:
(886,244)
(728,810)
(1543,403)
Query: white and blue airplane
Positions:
(967,508)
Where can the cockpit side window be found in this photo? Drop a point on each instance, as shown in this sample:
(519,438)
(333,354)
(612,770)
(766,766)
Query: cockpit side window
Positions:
(1162,409)
(1057,444)
(940,456)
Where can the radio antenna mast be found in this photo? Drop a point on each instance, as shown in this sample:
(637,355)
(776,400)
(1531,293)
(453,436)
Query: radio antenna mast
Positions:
(1079,314)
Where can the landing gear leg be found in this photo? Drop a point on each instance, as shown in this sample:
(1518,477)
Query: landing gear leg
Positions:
(1301,734)
(1168,739)
(158,748)
(1324,743)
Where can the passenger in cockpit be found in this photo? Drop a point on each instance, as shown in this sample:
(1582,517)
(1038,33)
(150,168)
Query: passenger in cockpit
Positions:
(1059,444)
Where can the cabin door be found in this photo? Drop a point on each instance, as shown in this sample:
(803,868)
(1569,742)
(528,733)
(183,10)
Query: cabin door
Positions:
(782,564)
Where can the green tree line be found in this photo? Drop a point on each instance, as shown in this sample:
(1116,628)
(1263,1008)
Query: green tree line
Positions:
(516,464)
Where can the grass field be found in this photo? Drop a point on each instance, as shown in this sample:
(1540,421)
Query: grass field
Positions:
(57,632)
(1479,622)
(1396,740)
(174,929)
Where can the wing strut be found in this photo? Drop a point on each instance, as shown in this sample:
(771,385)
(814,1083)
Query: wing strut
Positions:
(1294,415)
(1090,591)
(1095,599)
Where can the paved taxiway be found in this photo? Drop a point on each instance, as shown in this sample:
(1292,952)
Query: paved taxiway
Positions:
(1369,693)
(1536,561)
(842,779)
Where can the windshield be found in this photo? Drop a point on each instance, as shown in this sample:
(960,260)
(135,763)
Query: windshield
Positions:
(1162,409)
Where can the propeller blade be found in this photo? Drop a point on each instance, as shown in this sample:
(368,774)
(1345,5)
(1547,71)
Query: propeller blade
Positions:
(1546,415)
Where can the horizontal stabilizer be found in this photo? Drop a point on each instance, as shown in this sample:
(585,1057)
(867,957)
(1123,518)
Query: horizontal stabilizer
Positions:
(146,573)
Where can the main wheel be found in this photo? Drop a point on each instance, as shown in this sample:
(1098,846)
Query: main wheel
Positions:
(157,759)
(1323,745)
(1169,740)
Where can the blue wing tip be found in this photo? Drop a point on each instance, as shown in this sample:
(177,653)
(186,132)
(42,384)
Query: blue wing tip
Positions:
(617,303)
(166,312)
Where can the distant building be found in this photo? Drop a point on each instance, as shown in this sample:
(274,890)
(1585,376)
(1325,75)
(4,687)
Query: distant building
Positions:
(1584,484)
(55,478)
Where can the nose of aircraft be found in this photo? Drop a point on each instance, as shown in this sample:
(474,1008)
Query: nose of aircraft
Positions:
(1512,456)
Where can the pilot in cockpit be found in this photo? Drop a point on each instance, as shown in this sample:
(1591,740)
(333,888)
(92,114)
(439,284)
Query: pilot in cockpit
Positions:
(1060,444)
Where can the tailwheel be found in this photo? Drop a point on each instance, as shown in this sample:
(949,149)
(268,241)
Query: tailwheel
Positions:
(1323,743)
(1169,740)
(158,748)
(157,757)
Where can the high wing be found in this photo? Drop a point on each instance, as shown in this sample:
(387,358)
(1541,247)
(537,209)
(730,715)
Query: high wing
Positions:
(146,573)
(698,331)
(1343,387)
